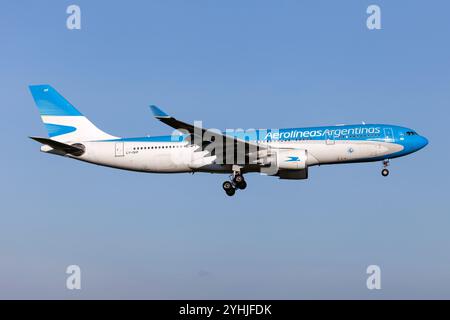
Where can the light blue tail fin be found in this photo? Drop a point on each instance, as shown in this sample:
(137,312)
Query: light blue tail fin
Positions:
(62,120)
(51,103)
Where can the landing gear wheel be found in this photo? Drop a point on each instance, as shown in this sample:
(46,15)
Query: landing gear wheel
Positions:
(385,172)
(230,192)
(242,185)
(238,179)
(228,187)
(239,182)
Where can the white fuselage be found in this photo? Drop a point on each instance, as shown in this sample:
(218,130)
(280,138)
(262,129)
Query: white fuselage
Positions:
(174,157)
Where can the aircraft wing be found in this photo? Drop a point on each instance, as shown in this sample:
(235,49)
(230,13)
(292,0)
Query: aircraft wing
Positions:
(239,147)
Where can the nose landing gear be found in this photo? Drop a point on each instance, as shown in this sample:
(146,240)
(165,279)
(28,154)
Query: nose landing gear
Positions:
(385,171)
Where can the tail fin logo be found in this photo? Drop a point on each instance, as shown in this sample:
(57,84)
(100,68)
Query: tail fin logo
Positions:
(57,129)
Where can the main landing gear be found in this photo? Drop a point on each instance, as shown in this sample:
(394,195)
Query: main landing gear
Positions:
(237,182)
(385,171)
(229,188)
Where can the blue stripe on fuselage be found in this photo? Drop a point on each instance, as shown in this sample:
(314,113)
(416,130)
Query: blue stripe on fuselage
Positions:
(173,138)
(370,132)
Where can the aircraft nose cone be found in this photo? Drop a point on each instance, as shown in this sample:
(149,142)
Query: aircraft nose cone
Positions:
(422,142)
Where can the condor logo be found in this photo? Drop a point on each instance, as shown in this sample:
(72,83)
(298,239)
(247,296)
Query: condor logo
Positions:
(293,159)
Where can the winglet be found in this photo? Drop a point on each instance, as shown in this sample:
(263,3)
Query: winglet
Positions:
(158,113)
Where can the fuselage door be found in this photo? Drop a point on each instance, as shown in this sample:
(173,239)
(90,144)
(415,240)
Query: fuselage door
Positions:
(388,135)
(119,149)
(329,139)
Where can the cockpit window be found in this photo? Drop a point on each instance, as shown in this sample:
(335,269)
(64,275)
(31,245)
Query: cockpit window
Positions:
(411,133)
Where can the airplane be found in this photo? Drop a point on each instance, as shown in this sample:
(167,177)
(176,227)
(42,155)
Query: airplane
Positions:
(284,153)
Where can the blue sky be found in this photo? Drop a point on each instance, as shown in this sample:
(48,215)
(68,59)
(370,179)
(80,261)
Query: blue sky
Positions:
(231,64)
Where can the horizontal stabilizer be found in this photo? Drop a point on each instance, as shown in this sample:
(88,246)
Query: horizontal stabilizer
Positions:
(76,150)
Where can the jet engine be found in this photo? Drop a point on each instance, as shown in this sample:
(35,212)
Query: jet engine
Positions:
(291,159)
(288,164)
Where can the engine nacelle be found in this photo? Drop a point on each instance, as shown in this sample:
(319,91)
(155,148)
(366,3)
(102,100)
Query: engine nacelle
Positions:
(288,164)
(291,159)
